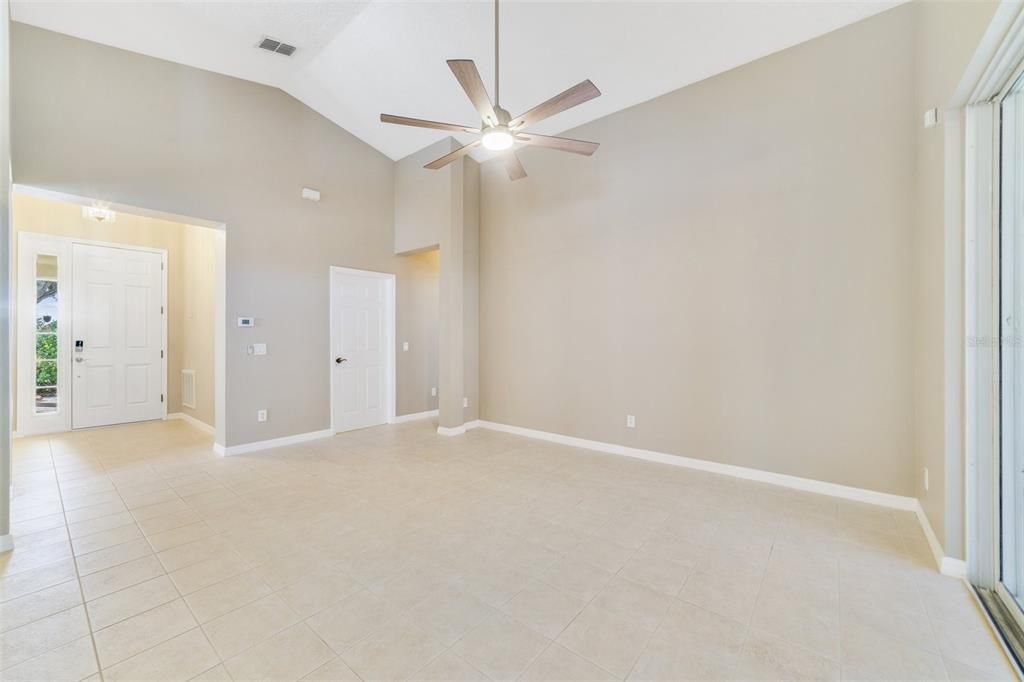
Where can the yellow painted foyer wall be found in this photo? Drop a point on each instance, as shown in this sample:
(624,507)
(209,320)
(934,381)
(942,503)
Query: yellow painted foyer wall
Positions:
(190,282)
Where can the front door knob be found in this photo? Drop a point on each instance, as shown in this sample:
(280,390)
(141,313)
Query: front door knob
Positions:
(340,360)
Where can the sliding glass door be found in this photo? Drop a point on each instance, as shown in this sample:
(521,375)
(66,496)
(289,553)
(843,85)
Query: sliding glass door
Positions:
(1010,516)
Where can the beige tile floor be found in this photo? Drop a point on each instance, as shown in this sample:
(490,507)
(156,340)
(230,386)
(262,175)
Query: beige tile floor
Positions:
(393,553)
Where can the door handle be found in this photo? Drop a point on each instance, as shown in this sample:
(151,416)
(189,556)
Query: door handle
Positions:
(340,360)
(79,358)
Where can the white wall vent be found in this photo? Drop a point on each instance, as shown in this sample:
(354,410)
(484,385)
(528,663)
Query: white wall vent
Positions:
(271,45)
(188,388)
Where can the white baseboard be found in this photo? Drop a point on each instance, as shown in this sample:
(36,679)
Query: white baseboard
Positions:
(414,417)
(272,443)
(955,568)
(784,480)
(946,565)
(6,543)
(201,425)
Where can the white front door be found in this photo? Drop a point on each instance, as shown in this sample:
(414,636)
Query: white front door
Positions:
(117,336)
(359,352)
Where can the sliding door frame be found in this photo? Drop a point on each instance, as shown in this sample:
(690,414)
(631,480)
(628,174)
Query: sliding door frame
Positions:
(995,69)
(977,123)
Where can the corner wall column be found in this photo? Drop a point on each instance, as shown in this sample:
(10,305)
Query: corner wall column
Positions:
(451,328)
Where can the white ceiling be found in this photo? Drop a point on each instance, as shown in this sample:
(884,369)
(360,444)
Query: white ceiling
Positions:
(356,60)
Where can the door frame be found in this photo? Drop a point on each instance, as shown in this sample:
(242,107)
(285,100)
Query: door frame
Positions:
(973,179)
(29,245)
(390,336)
(974,174)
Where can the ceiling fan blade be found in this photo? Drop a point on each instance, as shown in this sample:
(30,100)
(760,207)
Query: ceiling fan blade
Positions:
(514,166)
(448,158)
(423,123)
(577,94)
(469,78)
(563,144)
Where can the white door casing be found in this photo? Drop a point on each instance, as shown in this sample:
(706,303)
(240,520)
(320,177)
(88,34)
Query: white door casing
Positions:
(117,316)
(362,349)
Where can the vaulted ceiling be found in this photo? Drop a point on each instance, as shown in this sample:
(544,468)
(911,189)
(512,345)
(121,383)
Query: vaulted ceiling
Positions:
(358,59)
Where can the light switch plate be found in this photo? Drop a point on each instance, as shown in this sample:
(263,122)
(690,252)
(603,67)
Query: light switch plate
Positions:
(465,402)
(257,349)
(405,345)
(931,118)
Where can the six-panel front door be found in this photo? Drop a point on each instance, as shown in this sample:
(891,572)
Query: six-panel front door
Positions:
(117,336)
(358,351)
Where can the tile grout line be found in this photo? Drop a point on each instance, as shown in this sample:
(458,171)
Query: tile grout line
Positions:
(78,576)
(177,591)
(866,542)
(554,640)
(99,665)
(839,612)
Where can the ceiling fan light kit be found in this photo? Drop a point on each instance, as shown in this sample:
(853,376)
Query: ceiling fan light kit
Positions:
(498,131)
(497,138)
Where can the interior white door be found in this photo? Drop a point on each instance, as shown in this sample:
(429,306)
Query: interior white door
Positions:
(359,360)
(117,336)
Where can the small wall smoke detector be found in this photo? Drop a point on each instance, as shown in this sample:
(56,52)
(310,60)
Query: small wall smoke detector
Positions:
(271,45)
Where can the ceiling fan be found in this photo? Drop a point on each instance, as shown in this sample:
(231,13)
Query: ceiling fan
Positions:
(498,130)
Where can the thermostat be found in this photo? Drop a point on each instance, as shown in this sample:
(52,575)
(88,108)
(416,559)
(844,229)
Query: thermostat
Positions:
(246,322)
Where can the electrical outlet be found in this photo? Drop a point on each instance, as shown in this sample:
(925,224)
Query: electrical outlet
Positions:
(465,402)
(926,479)
(261,415)
(630,421)
(433,392)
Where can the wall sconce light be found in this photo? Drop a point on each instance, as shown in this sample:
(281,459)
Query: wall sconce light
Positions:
(99,213)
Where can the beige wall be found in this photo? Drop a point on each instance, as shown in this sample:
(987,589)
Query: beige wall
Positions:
(422,199)
(471,288)
(419,364)
(100,122)
(196,315)
(947,35)
(438,211)
(733,267)
(190,282)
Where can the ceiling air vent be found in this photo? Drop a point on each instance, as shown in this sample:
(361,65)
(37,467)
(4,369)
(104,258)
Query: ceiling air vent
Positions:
(277,46)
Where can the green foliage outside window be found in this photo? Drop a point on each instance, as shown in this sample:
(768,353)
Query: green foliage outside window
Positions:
(46,373)
(46,346)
